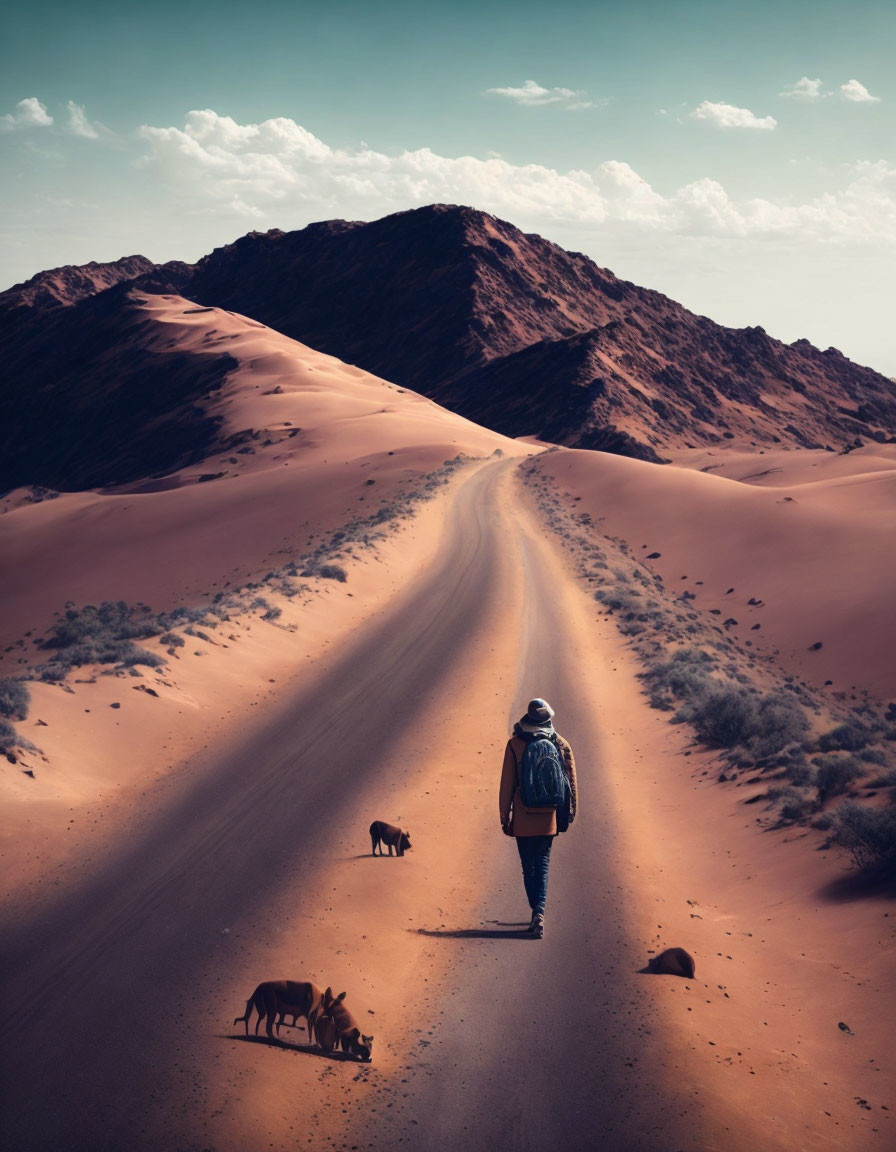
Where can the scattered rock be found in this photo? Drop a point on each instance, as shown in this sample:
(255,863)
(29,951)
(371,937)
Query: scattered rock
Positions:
(673,962)
(814,647)
(845,1028)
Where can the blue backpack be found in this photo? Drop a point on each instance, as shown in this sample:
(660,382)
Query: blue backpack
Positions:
(543,782)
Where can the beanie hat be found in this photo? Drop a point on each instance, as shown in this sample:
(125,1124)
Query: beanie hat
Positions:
(539,712)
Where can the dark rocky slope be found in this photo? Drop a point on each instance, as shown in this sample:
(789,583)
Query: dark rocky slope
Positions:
(518,334)
(503,327)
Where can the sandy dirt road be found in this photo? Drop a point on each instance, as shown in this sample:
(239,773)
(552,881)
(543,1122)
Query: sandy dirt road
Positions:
(539,1045)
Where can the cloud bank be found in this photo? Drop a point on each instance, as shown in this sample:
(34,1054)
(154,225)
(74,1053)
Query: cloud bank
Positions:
(215,164)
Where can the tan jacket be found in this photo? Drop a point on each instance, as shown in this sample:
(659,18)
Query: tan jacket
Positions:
(531,821)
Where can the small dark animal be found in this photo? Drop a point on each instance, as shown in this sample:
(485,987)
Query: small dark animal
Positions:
(347,1026)
(274,999)
(383,833)
(673,962)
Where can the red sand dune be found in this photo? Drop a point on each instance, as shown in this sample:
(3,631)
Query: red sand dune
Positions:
(322,431)
(812,535)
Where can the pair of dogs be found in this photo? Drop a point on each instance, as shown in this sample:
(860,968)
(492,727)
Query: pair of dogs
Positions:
(329,1022)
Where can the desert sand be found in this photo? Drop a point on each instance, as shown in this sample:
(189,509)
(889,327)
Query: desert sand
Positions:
(808,533)
(173,851)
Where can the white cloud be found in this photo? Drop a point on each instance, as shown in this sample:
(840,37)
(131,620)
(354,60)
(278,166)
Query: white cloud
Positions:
(216,165)
(29,113)
(857,93)
(805,89)
(729,116)
(532,95)
(78,124)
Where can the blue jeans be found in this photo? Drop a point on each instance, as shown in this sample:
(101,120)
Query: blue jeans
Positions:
(535,856)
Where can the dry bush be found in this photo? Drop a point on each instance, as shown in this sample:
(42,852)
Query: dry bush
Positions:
(14,698)
(835,772)
(869,834)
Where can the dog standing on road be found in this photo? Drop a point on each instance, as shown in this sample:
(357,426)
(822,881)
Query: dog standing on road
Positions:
(274,999)
(382,833)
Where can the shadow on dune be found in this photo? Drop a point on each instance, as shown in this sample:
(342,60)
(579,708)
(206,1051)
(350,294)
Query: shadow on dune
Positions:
(501,931)
(860,886)
(298,1049)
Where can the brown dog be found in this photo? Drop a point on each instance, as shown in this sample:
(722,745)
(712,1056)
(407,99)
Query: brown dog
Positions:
(347,1026)
(383,833)
(673,962)
(275,999)
(326,1033)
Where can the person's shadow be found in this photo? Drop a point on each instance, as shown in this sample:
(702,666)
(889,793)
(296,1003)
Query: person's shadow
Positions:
(502,930)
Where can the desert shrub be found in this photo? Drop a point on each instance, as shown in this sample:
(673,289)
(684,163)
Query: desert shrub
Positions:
(799,772)
(794,805)
(273,613)
(176,617)
(835,772)
(113,620)
(130,654)
(333,572)
(779,722)
(725,717)
(617,599)
(172,640)
(8,736)
(14,698)
(103,635)
(848,737)
(873,756)
(869,834)
(683,676)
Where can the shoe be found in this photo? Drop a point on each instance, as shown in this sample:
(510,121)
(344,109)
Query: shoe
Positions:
(531,927)
(538,926)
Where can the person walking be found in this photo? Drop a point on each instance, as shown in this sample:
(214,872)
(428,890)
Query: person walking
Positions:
(537,798)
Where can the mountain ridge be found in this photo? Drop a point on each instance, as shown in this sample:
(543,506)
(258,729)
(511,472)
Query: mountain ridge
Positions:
(503,327)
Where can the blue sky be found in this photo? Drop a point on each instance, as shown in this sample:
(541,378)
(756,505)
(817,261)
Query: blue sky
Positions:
(739,158)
